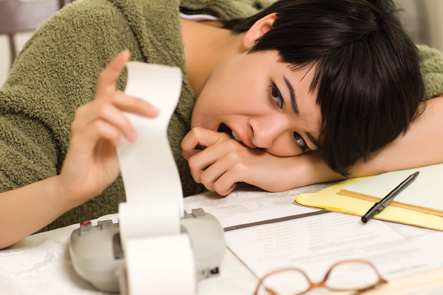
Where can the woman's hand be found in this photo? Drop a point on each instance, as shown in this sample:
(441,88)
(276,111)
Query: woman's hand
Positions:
(91,163)
(224,162)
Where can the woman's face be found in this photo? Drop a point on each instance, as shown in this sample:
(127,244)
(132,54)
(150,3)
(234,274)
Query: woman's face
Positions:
(265,103)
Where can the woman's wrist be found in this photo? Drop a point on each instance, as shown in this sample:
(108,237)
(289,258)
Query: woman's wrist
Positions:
(62,196)
(68,194)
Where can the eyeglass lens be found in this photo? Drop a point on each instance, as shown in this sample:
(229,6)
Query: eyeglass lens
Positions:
(353,275)
(286,282)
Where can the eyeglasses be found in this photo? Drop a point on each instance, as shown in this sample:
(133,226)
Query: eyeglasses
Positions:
(348,275)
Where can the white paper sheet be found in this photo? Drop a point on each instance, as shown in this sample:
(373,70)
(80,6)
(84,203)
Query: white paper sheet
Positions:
(315,243)
(431,241)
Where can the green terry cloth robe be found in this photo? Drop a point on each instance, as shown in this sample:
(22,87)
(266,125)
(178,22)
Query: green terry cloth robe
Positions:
(57,72)
(431,66)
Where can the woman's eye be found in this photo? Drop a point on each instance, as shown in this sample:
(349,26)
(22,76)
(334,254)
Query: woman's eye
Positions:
(300,142)
(276,96)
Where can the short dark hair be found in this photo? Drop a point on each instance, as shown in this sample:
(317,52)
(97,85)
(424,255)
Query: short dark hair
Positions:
(367,70)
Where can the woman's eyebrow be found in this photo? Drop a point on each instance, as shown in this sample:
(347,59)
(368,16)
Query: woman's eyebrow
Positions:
(292,93)
(295,108)
(313,139)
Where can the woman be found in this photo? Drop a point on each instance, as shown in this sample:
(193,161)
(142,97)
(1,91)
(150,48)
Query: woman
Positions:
(284,109)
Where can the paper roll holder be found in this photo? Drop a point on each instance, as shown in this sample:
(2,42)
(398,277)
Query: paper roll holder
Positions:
(98,256)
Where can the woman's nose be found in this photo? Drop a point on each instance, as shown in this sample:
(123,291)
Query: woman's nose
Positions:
(265,131)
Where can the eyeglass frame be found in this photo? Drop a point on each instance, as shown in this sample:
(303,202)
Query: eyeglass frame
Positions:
(323,282)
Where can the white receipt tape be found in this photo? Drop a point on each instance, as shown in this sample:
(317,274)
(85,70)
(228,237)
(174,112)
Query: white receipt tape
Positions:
(161,265)
(147,165)
(148,220)
(158,258)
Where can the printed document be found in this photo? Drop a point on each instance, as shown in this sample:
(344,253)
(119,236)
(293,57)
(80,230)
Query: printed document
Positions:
(314,243)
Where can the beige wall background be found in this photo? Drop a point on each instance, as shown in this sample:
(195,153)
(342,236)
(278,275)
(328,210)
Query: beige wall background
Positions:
(423,20)
(20,39)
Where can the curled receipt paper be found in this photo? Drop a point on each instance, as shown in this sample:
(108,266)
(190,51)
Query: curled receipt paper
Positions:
(150,218)
(147,165)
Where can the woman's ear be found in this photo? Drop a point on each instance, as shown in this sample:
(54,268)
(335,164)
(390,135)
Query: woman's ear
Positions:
(258,30)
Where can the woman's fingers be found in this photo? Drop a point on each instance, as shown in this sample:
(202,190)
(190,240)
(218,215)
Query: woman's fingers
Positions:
(222,176)
(134,105)
(214,161)
(109,103)
(108,77)
(216,144)
(106,89)
(105,113)
(112,112)
(200,137)
(222,164)
(103,130)
(225,184)
(238,165)
(224,152)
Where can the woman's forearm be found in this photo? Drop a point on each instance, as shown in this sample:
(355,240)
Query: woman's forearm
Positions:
(421,145)
(25,210)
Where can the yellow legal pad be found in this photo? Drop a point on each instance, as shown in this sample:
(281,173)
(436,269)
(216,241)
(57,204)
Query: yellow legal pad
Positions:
(328,199)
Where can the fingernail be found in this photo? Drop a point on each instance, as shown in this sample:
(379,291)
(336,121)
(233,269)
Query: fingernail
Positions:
(133,136)
(153,111)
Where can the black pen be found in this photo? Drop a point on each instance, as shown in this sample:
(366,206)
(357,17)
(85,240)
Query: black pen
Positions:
(379,206)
